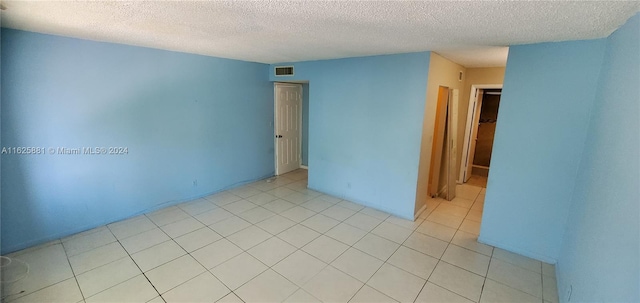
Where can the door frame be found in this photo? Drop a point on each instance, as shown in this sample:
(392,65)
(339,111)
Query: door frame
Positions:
(275,122)
(474,106)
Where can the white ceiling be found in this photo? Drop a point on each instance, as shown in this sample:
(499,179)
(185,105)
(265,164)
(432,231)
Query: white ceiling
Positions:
(471,33)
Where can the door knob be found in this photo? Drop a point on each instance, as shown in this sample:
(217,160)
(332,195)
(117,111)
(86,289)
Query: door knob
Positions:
(278,136)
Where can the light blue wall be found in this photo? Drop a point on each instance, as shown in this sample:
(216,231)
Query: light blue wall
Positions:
(548,93)
(183,117)
(601,252)
(366,125)
(305,124)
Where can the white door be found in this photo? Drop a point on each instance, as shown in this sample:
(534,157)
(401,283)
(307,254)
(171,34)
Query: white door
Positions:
(474,135)
(288,126)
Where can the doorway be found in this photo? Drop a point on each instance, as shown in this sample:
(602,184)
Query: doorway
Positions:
(287,127)
(479,134)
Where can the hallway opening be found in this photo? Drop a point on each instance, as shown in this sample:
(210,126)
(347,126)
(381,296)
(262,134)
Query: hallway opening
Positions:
(479,135)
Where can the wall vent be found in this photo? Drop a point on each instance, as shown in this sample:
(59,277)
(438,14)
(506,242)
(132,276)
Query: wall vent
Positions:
(284,70)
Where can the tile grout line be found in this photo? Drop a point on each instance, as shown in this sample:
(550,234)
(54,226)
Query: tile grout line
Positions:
(225,238)
(222,237)
(484,282)
(383,262)
(321,234)
(187,253)
(542,282)
(487,275)
(272,236)
(324,234)
(110,262)
(136,263)
(386,261)
(73,271)
(315,213)
(23,293)
(440,259)
(491,259)
(243,251)
(434,269)
(96,230)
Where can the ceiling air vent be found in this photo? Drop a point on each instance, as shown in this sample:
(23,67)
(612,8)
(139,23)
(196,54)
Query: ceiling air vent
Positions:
(284,70)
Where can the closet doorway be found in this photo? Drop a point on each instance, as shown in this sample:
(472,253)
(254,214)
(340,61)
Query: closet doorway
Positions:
(479,134)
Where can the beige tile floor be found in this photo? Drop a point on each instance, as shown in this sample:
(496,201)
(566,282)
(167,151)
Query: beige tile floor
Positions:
(476,180)
(281,242)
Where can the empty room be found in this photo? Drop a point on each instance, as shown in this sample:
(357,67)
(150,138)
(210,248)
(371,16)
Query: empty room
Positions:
(319,151)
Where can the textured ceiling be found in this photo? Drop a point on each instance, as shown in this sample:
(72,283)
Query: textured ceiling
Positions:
(472,33)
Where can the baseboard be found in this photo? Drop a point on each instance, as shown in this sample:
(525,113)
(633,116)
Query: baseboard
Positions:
(420,211)
(442,191)
(539,257)
(377,207)
(304,167)
(72,231)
